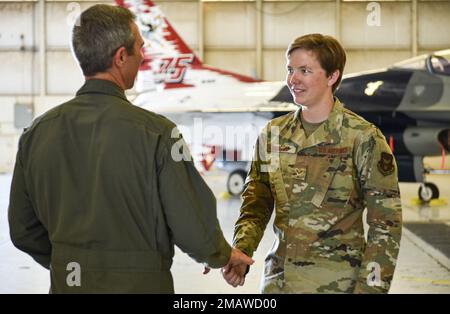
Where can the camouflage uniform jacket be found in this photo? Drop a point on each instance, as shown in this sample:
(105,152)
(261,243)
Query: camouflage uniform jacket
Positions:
(319,187)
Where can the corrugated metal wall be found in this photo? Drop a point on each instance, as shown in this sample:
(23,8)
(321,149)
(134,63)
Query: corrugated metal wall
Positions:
(246,36)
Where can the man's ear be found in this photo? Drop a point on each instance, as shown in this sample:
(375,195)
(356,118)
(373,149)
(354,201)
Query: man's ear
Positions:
(333,77)
(120,57)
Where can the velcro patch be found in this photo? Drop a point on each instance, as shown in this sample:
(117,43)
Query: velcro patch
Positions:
(386,164)
(283,148)
(333,150)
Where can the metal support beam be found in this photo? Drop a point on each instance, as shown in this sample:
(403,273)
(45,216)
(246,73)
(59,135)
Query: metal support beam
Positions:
(42,50)
(414,29)
(259,38)
(200,31)
(338,20)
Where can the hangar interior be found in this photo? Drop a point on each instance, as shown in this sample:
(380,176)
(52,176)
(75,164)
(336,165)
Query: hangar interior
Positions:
(245,36)
(249,37)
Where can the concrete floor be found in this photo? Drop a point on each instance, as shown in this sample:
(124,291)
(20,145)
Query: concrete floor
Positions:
(421,268)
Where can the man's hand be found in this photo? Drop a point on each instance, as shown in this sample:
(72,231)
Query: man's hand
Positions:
(235,276)
(234,271)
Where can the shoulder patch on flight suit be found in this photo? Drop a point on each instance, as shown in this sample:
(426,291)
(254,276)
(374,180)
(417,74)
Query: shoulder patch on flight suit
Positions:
(386,164)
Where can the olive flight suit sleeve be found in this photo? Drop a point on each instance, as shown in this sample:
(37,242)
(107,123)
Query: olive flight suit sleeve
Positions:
(378,178)
(258,201)
(27,233)
(189,205)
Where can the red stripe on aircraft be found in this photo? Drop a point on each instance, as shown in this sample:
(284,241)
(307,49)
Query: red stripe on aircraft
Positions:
(242,78)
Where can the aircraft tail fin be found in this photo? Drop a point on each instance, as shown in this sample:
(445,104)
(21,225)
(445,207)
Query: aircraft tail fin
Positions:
(167,56)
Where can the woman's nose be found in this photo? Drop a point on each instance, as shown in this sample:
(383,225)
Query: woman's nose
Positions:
(293,78)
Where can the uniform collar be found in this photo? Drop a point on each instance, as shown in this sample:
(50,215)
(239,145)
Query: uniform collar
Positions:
(328,133)
(96,86)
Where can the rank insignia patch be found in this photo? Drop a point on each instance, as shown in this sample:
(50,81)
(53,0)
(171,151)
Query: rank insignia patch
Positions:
(299,173)
(386,164)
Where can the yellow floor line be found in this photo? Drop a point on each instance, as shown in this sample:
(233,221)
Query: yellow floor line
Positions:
(433,203)
(225,196)
(428,280)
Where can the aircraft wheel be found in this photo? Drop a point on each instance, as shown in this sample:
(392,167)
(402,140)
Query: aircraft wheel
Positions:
(235,182)
(428,191)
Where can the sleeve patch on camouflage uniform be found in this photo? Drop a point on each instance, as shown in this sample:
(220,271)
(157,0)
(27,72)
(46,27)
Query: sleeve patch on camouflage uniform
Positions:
(386,164)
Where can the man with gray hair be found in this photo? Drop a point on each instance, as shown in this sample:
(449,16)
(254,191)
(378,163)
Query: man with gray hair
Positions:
(96,196)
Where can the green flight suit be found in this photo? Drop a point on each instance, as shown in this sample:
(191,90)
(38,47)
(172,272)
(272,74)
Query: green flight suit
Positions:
(97,197)
(319,186)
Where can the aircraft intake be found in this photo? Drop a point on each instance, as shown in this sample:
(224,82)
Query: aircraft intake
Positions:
(426,141)
(444,139)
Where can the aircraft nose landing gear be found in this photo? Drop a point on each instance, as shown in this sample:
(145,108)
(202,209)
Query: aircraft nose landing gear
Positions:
(428,191)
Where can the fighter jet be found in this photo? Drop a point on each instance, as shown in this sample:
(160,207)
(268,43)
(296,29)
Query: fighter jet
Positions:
(221,113)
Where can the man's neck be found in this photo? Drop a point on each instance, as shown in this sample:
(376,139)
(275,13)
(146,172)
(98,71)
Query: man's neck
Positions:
(318,113)
(108,76)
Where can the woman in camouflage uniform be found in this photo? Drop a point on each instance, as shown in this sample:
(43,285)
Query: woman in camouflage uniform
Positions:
(319,168)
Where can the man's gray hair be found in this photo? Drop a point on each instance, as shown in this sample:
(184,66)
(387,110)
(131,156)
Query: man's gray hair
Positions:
(98,32)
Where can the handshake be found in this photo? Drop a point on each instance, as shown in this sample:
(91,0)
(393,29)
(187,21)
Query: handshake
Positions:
(234,272)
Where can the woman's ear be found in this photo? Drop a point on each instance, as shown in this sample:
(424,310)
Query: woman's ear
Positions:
(333,77)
